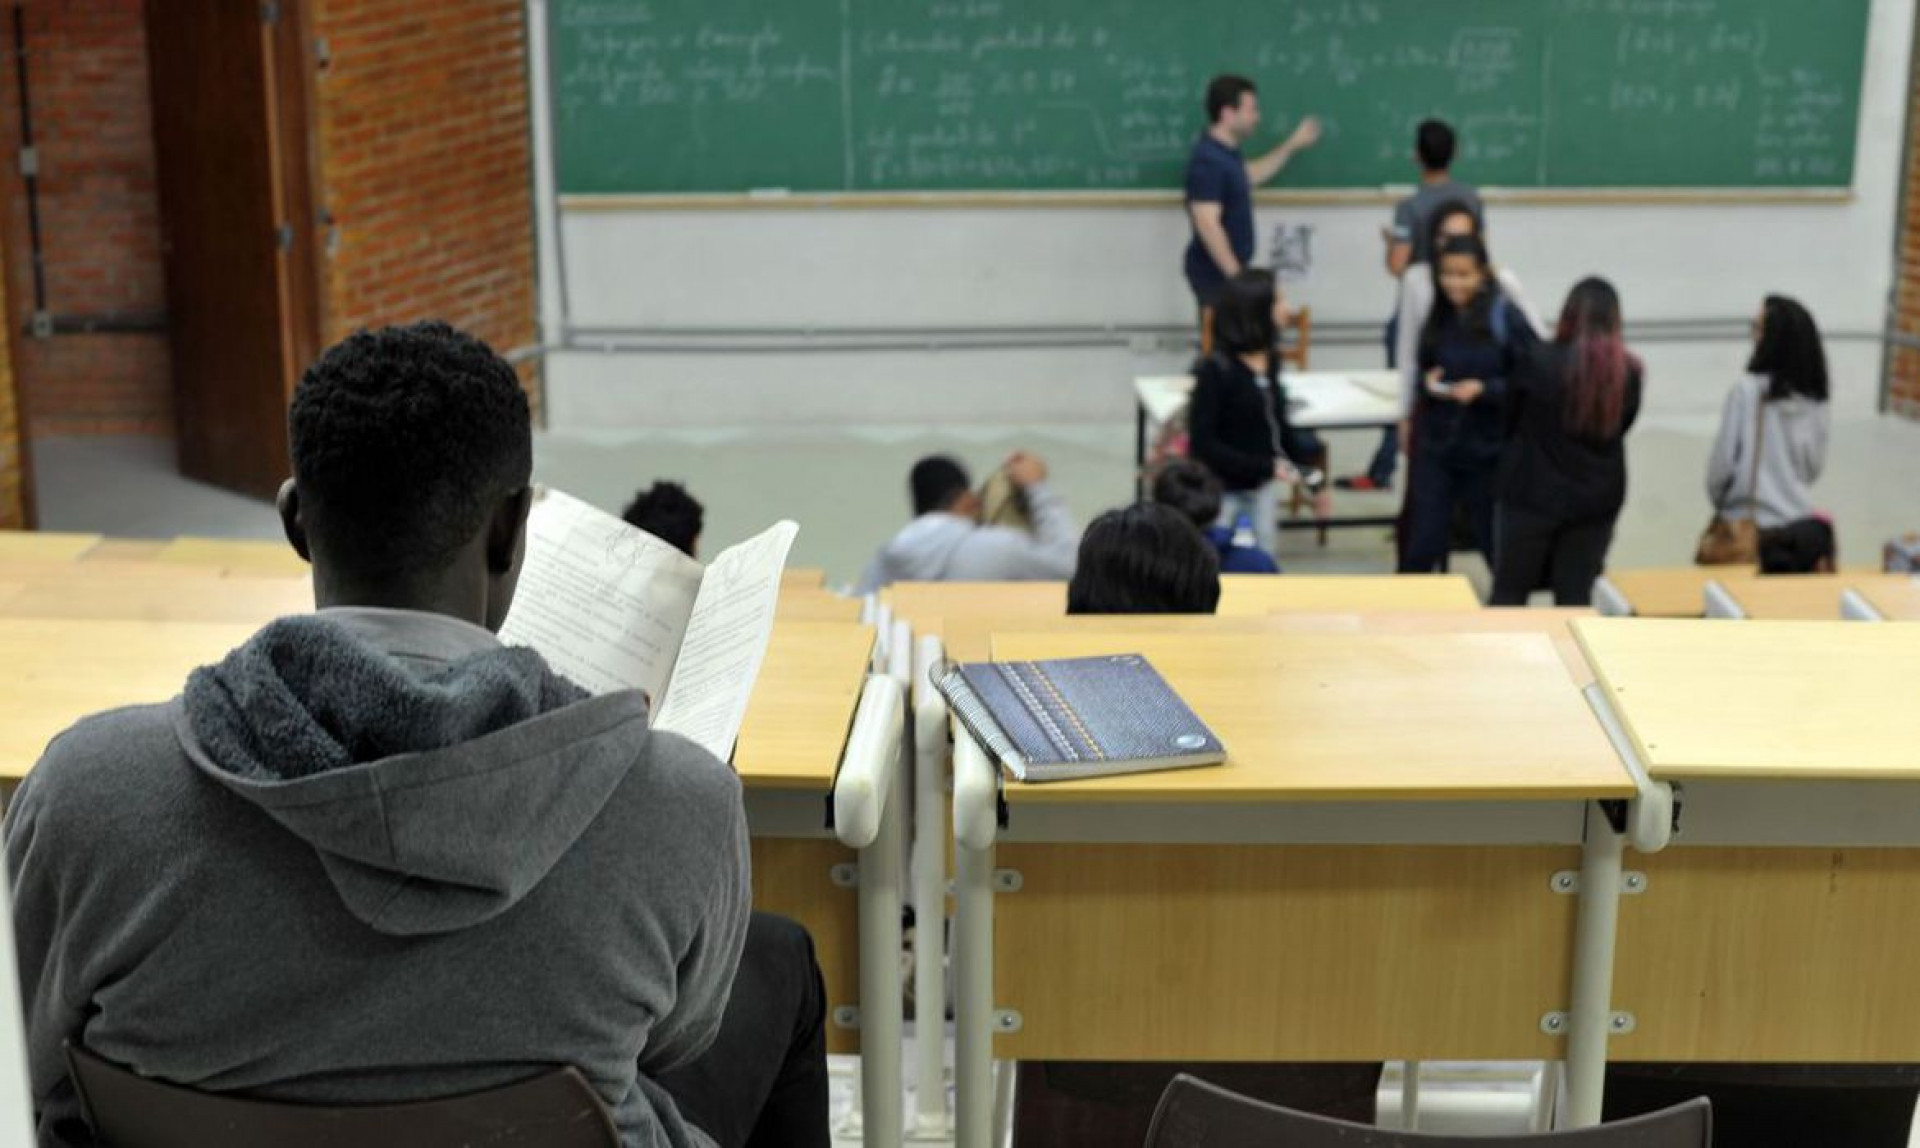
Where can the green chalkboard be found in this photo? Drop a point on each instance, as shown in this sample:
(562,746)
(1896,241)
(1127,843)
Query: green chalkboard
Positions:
(656,96)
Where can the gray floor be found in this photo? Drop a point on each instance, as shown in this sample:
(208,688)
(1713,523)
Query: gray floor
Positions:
(847,487)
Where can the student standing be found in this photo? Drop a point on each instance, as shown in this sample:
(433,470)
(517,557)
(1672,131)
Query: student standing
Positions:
(1409,241)
(1563,476)
(1472,342)
(1772,443)
(1236,417)
(1220,182)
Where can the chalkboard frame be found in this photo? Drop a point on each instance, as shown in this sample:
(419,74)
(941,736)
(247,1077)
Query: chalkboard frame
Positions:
(593,202)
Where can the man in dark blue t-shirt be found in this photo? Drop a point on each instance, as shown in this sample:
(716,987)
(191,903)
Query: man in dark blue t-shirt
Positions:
(1220,183)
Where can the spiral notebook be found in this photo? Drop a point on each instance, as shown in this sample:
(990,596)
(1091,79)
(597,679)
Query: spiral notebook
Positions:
(1077,717)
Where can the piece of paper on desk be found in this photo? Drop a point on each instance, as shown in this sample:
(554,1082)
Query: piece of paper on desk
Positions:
(612,607)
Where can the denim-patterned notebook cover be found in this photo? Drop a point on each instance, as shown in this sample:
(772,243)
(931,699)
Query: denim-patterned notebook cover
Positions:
(1078,717)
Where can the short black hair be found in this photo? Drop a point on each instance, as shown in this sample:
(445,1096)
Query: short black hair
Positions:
(1789,352)
(404,440)
(666,511)
(1434,142)
(936,483)
(1144,559)
(1191,489)
(1224,92)
(1803,547)
(1243,314)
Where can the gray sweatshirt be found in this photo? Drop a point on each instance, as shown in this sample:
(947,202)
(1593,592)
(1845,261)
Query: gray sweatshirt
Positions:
(376,856)
(1793,451)
(942,547)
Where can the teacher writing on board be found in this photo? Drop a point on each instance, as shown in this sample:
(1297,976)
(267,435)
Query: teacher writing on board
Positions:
(1220,183)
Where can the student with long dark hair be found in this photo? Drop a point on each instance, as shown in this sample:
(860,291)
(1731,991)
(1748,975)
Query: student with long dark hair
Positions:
(1563,475)
(1237,415)
(1144,559)
(1773,433)
(1472,342)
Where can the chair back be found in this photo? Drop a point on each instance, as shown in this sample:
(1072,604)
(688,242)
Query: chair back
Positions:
(556,1109)
(1195,1114)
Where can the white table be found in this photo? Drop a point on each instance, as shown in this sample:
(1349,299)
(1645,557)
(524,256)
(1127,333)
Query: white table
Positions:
(1316,400)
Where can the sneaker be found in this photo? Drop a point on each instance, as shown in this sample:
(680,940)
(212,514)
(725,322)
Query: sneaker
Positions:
(1363,483)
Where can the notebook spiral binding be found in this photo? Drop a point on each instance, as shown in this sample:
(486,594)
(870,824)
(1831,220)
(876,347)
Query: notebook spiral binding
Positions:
(974,715)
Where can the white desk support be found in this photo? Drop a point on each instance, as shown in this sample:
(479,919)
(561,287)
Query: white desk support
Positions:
(931,746)
(868,812)
(1720,603)
(16,1106)
(976,805)
(1854,607)
(1647,823)
(1608,599)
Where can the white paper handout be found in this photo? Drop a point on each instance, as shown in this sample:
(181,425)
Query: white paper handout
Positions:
(614,608)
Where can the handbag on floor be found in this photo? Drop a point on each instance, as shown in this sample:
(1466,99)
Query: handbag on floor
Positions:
(1736,541)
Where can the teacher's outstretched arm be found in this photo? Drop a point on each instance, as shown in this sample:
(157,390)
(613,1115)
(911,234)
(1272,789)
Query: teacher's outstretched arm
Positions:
(1262,169)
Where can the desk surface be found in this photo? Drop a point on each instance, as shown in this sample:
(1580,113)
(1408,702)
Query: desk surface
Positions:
(1326,717)
(1896,596)
(1787,598)
(803,703)
(238,556)
(1671,592)
(161,597)
(814,605)
(61,671)
(1322,400)
(36,546)
(1814,700)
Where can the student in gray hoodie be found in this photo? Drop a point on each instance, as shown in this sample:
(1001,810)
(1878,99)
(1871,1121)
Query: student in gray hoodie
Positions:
(376,856)
(946,541)
(1779,409)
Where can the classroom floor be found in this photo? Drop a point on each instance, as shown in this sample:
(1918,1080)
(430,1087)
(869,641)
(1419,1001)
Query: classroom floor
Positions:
(847,487)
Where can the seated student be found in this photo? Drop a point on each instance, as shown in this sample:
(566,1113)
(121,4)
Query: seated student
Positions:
(1191,489)
(666,511)
(376,856)
(1803,547)
(1144,559)
(946,542)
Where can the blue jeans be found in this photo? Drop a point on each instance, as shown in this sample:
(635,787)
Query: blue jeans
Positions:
(1434,488)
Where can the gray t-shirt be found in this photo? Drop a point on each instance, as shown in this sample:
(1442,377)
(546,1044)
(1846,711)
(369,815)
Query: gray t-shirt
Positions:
(1413,216)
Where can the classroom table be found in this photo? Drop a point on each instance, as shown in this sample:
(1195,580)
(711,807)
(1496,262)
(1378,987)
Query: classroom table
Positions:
(1777,925)
(40,546)
(1317,400)
(1386,868)
(1664,592)
(235,555)
(1889,597)
(159,597)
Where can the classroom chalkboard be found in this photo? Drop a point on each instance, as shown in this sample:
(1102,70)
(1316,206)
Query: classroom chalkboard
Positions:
(661,96)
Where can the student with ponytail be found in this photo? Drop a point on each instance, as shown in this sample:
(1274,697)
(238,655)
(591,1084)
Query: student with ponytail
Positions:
(1563,473)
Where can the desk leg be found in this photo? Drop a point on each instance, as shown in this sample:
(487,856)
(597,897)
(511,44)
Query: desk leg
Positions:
(1590,1018)
(931,746)
(973,949)
(880,1021)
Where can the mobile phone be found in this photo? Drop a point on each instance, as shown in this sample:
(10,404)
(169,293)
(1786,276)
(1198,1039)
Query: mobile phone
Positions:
(1440,390)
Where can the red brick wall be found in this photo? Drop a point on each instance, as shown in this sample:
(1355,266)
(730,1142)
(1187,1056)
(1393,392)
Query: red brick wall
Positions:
(14,488)
(1903,363)
(426,165)
(99,217)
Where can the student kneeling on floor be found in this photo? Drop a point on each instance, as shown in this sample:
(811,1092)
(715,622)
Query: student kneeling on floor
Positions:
(375,856)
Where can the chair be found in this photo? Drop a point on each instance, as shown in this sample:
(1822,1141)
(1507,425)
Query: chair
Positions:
(1195,1114)
(556,1109)
(1296,350)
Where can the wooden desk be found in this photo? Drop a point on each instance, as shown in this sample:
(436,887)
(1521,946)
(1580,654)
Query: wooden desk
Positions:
(1774,926)
(61,671)
(803,578)
(788,755)
(1896,596)
(125,550)
(1672,592)
(161,597)
(250,557)
(817,606)
(1787,597)
(1345,887)
(1291,593)
(37,546)
(924,603)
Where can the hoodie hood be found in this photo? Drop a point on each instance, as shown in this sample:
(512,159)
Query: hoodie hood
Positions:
(923,550)
(437,791)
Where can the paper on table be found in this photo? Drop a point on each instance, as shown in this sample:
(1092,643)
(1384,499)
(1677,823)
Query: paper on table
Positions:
(726,641)
(607,605)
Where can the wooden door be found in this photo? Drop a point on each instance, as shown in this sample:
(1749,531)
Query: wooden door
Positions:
(231,115)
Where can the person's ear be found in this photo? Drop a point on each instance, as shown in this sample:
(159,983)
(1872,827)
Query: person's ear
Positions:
(288,503)
(507,532)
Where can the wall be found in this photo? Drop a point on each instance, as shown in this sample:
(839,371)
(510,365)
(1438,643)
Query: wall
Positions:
(425,161)
(794,267)
(99,219)
(16,487)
